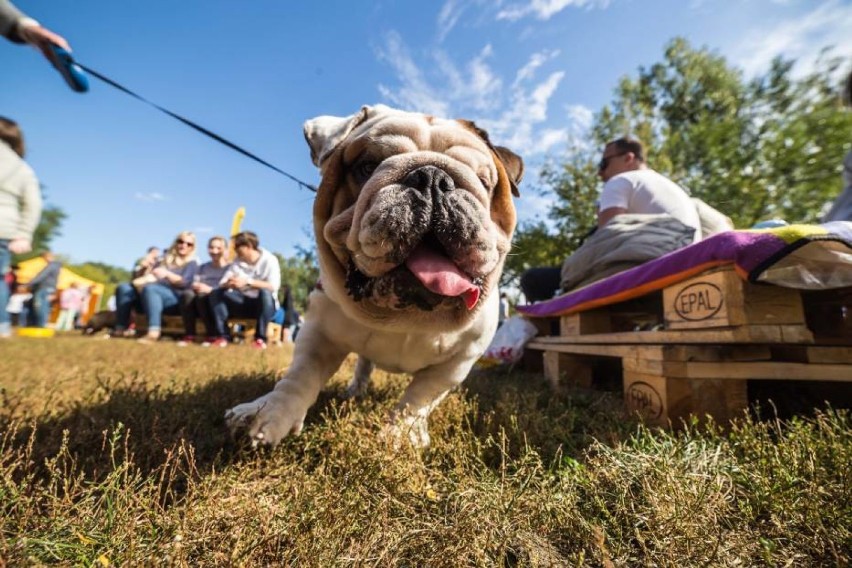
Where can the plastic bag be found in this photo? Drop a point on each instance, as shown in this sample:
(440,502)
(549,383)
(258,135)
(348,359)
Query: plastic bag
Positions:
(507,347)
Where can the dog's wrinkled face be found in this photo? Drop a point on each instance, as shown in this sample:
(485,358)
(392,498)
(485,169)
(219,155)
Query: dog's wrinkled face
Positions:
(414,214)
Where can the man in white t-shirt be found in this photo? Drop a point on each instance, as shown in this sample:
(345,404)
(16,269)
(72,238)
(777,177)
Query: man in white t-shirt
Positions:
(249,289)
(630,186)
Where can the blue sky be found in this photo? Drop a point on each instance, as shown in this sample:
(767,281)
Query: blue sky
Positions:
(532,72)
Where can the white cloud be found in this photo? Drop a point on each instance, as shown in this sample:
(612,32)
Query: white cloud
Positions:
(580,120)
(449,16)
(415,92)
(515,116)
(149,197)
(801,38)
(536,61)
(518,126)
(444,85)
(202,230)
(545,9)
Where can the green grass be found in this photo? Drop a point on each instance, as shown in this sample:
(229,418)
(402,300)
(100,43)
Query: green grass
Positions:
(115,453)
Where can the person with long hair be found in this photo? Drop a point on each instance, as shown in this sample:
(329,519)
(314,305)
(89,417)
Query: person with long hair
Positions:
(20,208)
(174,274)
(194,301)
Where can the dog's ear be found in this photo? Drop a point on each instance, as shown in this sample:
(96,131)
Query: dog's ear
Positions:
(325,133)
(514,165)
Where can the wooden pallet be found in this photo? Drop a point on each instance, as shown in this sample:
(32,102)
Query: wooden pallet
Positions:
(692,348)
(241,328)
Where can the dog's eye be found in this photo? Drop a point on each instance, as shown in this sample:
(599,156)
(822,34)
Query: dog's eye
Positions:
(486,182)
(363,170)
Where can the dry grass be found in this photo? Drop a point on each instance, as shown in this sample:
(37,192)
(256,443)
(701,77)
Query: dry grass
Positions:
(114,453)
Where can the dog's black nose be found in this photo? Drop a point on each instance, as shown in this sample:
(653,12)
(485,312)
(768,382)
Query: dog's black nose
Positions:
(430,178)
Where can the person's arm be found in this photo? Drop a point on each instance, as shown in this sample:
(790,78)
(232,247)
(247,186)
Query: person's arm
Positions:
(229,275)
(606,215)
(20,28)
(615,199)
(9,18)
(180,279)
(269,275)
(30,213)
(43,275)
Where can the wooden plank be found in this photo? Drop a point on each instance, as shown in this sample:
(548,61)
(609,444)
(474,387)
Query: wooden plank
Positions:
(742,334)
(733,370)
(585,323)
(656,399)
(662,400)
(744,352)
(722,299)
(562,370)
(711,299)
(273,330)
(723,399)
(650,351)
(821,354)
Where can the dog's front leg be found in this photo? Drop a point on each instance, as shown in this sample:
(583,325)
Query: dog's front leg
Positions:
(282,411)
(427,389)
(360,379)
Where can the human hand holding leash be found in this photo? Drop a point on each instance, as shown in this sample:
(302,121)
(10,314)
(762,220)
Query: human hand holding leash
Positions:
(40,37)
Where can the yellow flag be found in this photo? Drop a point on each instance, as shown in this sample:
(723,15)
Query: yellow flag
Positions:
(235,228)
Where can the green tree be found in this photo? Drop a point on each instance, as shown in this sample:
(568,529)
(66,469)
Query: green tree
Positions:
(48,228)
(756,149)
(300,273)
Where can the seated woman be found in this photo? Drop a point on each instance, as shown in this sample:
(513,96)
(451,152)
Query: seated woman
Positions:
(193,300)
(175,273)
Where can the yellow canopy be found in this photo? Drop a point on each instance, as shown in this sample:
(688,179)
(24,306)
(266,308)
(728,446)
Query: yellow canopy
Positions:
(28,269)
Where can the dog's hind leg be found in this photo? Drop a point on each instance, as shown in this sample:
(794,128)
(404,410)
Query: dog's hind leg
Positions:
(360,379)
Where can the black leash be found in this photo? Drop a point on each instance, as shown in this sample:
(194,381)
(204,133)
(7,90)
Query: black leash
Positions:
(197,127)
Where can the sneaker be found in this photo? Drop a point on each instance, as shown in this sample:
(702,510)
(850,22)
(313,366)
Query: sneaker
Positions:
(217,342)
(150,337)
(123,333)
(258,344)
(186,340)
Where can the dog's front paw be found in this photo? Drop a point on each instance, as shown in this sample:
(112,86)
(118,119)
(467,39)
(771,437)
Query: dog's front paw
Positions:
(409,428)
(268,419)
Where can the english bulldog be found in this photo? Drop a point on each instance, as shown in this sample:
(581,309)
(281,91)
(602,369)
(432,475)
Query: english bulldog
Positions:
(413,219)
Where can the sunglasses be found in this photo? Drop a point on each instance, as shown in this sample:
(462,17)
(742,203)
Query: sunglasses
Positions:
(602,165)
(182,242)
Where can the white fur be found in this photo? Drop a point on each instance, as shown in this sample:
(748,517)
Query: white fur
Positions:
(437,361)
(437,348)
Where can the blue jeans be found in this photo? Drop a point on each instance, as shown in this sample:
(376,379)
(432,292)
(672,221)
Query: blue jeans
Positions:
(126,298)
(156,299)
(5,262)
(224,303)
(41,306)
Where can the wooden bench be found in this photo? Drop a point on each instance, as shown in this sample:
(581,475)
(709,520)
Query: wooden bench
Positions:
(240,328)
(693,347)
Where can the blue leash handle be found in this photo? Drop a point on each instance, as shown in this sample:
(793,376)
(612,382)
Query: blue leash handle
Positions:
(70,71)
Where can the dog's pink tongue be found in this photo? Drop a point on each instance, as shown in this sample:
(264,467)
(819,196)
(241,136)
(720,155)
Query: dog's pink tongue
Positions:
(441,276)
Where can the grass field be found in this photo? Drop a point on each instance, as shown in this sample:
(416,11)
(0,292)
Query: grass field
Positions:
(115,453)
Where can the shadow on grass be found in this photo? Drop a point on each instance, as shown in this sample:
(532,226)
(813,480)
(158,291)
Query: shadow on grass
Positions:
(152,421)
(516,408)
